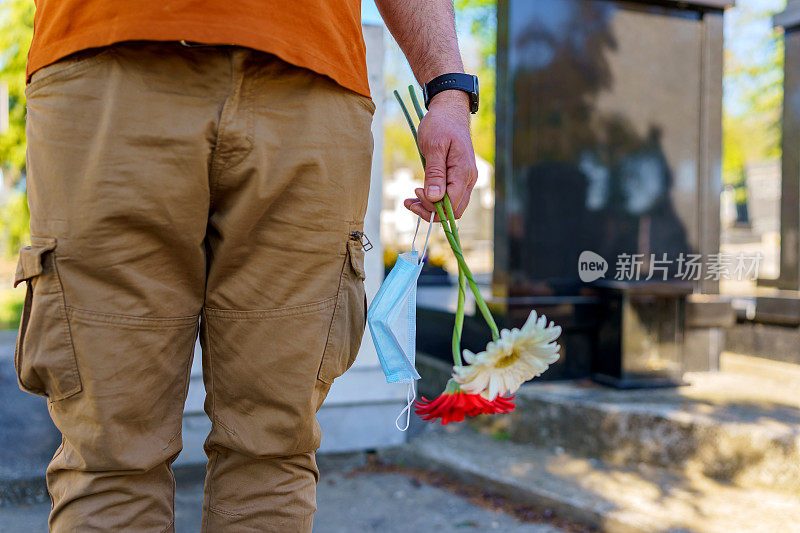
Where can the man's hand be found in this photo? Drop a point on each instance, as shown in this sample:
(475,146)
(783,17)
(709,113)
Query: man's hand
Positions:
(445,142)
(426,31)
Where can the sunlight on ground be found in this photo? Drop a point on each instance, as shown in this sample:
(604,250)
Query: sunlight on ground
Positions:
(745,378)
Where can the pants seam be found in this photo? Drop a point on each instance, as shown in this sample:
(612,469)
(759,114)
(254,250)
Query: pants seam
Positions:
(279,312)
(223,511)
(219,161)
(210,351)
(213,169)
(132,320)
(59,451)
(212,454)
(185,391)
(209,488)
(227,429)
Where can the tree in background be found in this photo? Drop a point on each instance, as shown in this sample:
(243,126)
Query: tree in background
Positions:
(479,55)
(751,123)
(481,15)
(16,31)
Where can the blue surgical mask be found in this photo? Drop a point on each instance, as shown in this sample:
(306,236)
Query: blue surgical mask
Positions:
(392,319)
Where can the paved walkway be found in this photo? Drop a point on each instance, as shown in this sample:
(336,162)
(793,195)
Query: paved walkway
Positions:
(27,435)
(363,502)
(385,503)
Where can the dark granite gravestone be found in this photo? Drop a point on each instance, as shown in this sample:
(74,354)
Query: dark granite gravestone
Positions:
(782,306)
(789,278)
(608,140)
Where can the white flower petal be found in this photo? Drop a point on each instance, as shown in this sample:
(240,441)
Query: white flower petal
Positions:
(517,356)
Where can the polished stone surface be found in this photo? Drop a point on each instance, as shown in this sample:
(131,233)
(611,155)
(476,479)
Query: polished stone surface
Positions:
(577,315)
(790,158)
(604,128)
(609,141)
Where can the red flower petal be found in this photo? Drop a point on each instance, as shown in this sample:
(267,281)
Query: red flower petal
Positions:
(454,407)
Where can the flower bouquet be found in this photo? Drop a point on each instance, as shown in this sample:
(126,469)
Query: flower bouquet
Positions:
(488,380)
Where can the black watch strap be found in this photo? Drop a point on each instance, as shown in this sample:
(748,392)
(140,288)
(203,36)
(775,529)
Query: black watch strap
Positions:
(461,82)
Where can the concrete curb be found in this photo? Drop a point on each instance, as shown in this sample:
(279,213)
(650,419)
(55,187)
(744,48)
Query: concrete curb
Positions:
(537,497)
(739,428)
(613,499)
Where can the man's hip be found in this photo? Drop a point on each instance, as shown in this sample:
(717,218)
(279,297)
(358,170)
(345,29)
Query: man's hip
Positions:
(166,183)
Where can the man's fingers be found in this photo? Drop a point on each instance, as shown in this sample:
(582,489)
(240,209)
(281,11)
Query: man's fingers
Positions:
(434,145)
(464,202)
(456,188)
(473,178)
(435,179)
(450,169)
(425,202)
(416,207)
(461,177)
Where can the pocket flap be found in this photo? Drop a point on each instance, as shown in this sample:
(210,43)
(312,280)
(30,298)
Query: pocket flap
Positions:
(356,252)
(30,258)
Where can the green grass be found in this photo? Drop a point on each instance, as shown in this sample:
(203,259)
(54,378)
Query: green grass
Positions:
(501,435)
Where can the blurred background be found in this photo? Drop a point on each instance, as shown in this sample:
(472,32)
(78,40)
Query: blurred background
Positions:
(656,134)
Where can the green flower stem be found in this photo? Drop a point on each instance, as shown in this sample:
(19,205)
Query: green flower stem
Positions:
(451,217)
(481,303)
(462,284)
(414,101)
(410,125)
(451,232)
(459,323)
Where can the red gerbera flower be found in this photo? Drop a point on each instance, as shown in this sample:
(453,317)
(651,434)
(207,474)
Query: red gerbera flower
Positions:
(453,405)
(500,405)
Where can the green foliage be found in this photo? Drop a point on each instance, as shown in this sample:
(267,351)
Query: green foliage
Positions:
(11,302)
(399,150)
(751,124)
(14,223)
(483,17)
(16,31)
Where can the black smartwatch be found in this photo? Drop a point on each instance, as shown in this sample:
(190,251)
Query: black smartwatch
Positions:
(460,82)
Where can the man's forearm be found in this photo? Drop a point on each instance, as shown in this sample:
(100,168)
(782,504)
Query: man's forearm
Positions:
(426,32)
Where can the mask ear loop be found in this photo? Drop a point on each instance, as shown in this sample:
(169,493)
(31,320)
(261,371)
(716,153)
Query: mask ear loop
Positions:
(411,395)
(427,237)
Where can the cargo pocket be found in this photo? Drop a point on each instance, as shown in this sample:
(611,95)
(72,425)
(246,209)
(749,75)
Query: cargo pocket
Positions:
(44,357)
(349,316)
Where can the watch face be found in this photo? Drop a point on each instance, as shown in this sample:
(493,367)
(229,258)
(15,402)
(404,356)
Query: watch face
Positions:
(474,97)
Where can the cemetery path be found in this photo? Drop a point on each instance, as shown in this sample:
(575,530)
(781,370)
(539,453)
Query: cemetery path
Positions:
(368,502)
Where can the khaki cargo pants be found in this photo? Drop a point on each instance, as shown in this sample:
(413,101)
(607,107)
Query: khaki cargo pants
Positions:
(173,189)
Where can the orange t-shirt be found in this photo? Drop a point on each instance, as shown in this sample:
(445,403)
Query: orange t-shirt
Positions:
(320,35)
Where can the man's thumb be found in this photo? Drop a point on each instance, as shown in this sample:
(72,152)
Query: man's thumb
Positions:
(435,182)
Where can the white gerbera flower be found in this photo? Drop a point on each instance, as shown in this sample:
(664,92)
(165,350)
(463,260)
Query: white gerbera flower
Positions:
(518,356)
